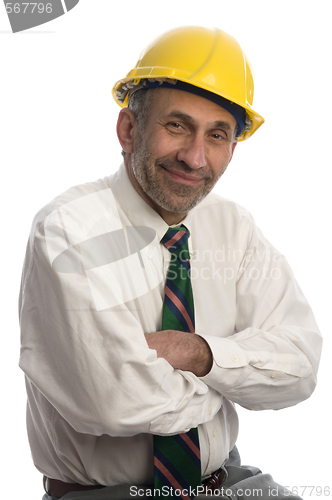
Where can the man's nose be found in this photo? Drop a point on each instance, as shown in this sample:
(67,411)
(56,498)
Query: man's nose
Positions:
(193,152)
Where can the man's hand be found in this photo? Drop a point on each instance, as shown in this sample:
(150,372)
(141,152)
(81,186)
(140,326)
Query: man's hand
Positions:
(184,351)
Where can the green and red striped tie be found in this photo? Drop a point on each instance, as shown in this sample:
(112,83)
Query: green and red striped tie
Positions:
(177,462)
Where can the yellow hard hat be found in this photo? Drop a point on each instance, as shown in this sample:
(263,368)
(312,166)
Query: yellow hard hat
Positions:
(209,59)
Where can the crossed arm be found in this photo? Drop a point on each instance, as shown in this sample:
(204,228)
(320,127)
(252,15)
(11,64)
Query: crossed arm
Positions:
(270,362)
(183,351)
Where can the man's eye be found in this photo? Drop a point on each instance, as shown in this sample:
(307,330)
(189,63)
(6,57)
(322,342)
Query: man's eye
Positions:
(174,125)
(219,137)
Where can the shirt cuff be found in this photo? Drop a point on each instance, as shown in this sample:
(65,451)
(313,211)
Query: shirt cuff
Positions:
(226,354)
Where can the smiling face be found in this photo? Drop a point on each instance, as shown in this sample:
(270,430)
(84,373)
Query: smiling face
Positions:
(185,147)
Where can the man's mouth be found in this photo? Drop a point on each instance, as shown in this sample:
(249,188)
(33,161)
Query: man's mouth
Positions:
(183,178)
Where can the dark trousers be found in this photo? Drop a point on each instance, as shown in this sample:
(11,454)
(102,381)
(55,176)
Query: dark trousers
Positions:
(244,482)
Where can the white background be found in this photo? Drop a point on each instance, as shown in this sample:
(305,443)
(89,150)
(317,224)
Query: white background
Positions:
(58,129)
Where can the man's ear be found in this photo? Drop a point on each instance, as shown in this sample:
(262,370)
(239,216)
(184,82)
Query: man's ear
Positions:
(233,146)
(125,129)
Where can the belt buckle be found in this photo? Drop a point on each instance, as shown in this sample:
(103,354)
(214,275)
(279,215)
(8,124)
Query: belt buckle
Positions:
(213,483)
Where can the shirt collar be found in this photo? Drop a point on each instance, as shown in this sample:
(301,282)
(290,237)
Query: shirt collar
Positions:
(138,211)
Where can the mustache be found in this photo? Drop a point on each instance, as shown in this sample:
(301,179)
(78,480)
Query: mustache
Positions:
(180,167)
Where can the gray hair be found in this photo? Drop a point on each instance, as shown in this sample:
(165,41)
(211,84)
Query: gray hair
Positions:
(140,104)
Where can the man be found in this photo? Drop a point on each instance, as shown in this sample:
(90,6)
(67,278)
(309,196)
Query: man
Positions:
(149,306)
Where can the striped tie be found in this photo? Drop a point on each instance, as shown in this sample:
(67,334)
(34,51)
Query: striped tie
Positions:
(177,462)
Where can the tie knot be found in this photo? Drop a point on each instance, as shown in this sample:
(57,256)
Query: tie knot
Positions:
(176,241)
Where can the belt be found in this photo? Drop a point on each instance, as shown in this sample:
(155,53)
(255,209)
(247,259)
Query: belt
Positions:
(59,488)
(213,482)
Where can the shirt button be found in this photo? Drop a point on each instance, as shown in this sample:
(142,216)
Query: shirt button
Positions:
(273,375)
(150,252)
(214,433)
(235,358)
(210,411)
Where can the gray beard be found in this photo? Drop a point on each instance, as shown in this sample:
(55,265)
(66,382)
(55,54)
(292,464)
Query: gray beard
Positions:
(146,173)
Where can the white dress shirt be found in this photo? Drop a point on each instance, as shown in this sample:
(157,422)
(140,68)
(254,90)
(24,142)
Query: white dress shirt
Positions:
(93,284)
